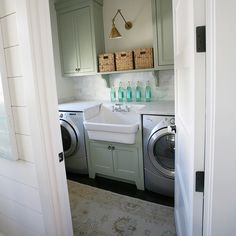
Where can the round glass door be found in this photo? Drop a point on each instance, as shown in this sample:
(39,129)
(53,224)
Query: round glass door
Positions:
(161,149)
(69,138)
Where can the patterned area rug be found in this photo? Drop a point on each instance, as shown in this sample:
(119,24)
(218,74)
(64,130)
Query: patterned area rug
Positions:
(96,212)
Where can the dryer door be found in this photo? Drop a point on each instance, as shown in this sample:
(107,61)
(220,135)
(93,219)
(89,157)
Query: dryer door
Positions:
(69,138)
(161,151)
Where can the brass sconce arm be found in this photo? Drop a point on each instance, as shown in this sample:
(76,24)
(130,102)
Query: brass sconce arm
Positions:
(114,32)
(128,24)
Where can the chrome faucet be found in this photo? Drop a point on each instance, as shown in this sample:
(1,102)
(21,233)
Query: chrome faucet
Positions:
(119,107)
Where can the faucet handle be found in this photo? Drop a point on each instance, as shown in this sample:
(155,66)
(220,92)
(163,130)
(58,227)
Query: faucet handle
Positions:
(118,105)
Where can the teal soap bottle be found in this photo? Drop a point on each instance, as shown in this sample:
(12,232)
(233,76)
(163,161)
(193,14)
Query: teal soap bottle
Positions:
(138,92)
(113,94)
(129,93)
(121,93)
(148,93)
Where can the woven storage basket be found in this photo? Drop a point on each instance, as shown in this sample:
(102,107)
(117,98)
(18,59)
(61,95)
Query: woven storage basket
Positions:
(106,62)
(143,58)
(124,60)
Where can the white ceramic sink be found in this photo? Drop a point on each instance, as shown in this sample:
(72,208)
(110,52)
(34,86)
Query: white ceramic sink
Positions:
(102,123)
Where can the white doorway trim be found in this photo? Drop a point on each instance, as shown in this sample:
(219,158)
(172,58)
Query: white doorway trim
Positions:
(220,193)
(190,107)
(210,118)
(38,65)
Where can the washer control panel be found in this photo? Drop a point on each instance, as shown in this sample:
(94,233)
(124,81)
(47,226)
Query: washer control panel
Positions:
(169,121)
(172,121)
(150,122)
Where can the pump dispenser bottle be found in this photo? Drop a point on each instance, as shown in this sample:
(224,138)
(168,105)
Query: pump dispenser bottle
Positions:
(129,93)
(138,92)
(148,93)
(121,93)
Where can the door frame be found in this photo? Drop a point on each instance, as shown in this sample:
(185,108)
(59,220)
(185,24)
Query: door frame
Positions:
(212,101)
(190,156)
(39,71)
(210,116)
(45,105)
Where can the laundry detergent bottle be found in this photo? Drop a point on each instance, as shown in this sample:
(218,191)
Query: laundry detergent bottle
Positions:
(129,93)
(148,93)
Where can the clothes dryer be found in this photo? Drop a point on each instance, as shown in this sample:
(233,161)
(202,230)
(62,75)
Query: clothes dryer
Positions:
(72,131)
(159,153)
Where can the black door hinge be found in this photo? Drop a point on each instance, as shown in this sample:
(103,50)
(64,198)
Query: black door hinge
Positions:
(61,156)
(199,187)
(201,38)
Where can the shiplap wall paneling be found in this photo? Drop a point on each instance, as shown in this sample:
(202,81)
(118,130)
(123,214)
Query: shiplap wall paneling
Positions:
(20,205)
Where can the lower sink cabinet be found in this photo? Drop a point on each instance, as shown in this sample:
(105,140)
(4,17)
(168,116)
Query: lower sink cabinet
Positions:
(119,161)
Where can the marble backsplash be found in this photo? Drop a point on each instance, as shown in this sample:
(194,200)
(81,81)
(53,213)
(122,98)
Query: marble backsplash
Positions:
(94,87)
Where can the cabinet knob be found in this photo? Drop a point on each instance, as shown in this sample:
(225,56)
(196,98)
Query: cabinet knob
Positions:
(77,69)
(109,148)
(112,148)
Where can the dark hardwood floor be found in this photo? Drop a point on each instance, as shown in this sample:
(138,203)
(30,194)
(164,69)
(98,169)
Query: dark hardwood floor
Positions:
(122,188)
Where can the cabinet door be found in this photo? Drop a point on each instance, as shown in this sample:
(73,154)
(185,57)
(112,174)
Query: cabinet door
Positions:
(101,158)
(67,35)
(85,44)
(126,162)
(164,31)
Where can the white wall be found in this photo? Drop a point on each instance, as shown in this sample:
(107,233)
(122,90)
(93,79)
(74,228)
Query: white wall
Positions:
(20,206)
(65,86)
(139,12)
(221,192)
(136,11)
(94,87)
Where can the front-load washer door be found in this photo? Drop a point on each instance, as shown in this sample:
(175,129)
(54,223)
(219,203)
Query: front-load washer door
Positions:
(69,138)
(161,151)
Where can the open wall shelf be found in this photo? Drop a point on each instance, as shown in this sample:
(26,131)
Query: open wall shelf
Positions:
(155,72)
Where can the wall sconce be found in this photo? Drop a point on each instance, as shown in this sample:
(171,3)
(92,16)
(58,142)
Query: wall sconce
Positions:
(114,32)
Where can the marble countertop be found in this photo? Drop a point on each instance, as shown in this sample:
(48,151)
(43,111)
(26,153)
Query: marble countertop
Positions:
(149,108)
(77,105)
(158,108)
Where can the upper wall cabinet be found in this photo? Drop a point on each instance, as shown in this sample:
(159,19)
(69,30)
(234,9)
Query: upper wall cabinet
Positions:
(81,35)
(163,34)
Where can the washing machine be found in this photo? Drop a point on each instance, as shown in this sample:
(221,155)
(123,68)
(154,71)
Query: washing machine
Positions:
(159,153)
(72,131)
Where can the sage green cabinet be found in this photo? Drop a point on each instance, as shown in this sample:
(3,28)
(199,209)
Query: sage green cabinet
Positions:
(101,156)
(119,161)
(125,160)
(162,18)
(81,36)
